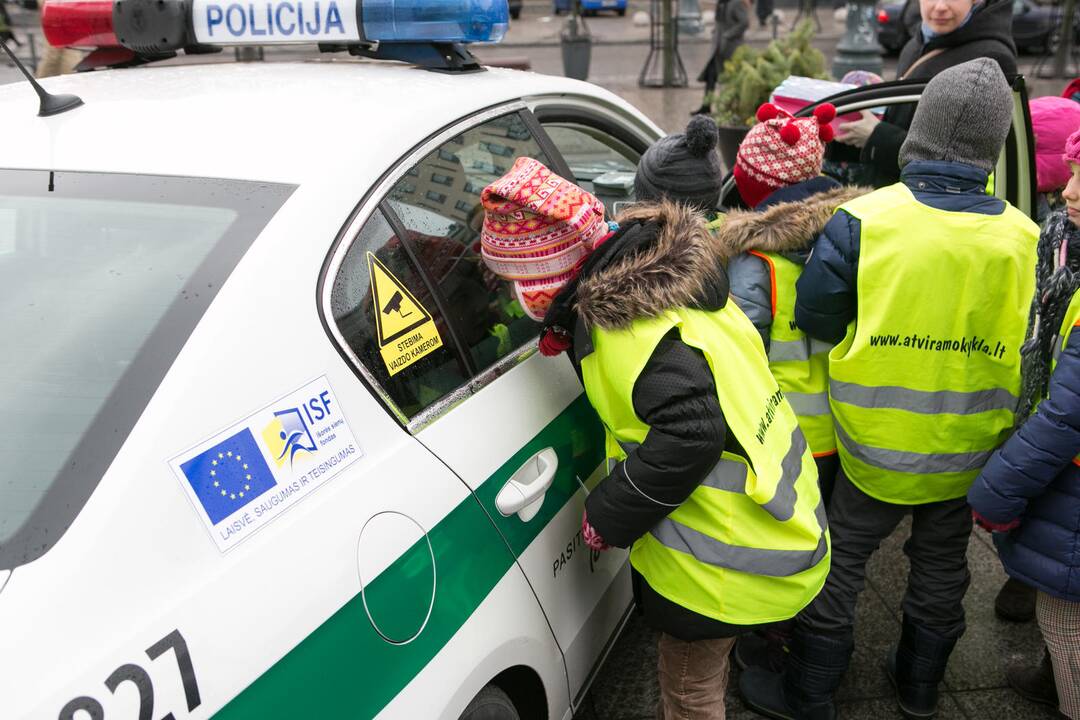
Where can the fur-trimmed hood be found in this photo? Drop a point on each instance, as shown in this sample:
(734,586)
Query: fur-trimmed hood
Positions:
(665,259)
(789,227)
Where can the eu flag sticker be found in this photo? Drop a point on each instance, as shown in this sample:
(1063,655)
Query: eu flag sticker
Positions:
(249,473)
(228,476)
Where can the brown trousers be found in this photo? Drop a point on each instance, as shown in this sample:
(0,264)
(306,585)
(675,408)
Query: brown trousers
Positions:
(1059,621)
(693,678)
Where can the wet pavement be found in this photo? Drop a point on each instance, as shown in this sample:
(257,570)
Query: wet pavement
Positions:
(974,687)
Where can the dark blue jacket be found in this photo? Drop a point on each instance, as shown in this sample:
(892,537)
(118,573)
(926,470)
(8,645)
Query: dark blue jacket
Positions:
(1032,478)
(825,301)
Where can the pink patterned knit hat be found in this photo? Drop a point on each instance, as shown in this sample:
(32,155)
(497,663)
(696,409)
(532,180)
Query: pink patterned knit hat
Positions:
(537,226)
(781,150)
(1072,149)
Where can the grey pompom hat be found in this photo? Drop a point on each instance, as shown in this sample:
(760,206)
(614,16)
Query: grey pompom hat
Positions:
(683,167)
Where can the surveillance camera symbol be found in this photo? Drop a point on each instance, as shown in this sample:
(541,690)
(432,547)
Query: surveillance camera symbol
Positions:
(395,305)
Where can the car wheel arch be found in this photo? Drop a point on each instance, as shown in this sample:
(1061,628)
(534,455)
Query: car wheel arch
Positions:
(526,691)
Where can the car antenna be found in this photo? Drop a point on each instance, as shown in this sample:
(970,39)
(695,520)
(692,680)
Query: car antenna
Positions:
(50,104)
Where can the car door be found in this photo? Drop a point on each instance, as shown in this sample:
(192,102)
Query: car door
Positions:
(519,432)
(1014,175)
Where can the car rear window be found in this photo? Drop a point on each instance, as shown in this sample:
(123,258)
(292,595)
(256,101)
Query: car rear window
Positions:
(104,276)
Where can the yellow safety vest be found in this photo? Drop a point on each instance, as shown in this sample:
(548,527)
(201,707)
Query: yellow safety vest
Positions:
(925,385)
(799,363)
(750,545)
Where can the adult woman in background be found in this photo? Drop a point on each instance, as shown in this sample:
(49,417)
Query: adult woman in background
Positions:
(952,32)
(732,20)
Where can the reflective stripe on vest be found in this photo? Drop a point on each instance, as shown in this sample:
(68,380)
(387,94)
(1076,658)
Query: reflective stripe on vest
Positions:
(919,401)
(730,476)
(749,545)
(925,385)
(796,350)
(912,462)
(799,363)
(774,563)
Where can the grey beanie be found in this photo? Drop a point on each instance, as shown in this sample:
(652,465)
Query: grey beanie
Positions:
(683,167)
(963,116)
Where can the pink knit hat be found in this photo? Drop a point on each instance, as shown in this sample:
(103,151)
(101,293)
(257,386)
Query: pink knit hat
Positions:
(537,227)
(1072,150)
(1053,119)
(781,150)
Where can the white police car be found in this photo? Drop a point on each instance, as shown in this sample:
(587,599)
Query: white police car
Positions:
(275,443)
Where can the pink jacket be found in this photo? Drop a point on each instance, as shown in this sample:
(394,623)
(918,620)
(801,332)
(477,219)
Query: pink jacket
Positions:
(1053,120)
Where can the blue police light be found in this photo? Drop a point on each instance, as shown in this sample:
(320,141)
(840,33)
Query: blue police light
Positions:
(463,21)
(272,22)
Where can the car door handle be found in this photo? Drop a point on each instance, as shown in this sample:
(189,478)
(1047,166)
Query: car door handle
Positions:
(524,492)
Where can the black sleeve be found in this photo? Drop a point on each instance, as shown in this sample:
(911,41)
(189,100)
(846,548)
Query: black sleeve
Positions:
(882,151)
(676,397)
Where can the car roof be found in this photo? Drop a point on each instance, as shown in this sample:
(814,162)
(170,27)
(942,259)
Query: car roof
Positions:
(287,122)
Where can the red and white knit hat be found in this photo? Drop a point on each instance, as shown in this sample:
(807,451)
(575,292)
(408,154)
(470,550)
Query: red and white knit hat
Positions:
(537,226)
(781,150)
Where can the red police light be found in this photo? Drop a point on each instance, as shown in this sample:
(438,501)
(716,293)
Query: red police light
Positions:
(883,16)
(78,23)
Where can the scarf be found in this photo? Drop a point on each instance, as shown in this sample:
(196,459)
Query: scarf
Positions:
(1057,278)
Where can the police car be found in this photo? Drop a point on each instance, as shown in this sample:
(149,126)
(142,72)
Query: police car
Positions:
(276,443)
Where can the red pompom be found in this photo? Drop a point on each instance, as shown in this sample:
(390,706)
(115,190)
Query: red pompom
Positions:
(825,113)
(553,342)
(825,132)
(790,133)
(767,112)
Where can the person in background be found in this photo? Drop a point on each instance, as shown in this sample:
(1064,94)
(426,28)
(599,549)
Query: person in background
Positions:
(732,21)
(924,285)
(6,32)
(710,480)
(777,174)
(1072,90)
(952,32)
(57,61)
(764,11)
(1029,492)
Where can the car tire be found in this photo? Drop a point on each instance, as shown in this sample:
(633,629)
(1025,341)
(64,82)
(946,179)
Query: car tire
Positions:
(491,703)
(621,12)
(515,14)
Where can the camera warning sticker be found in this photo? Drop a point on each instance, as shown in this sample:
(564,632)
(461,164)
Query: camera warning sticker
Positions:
(406,330)
(248,474)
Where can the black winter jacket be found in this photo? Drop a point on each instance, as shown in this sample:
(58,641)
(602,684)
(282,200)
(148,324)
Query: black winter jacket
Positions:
(988,33)
(646,268)
(825,294)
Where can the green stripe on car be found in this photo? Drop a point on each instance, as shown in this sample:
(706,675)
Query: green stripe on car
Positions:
(344,668)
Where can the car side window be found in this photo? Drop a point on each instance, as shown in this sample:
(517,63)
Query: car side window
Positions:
(413,359)
(599,163)
(438,206)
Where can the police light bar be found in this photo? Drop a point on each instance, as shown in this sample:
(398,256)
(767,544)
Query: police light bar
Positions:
(155,27)
(78,23)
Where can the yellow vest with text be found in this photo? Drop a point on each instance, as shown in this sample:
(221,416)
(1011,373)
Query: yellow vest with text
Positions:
(1070,321)
(926,383)
(799,363)
(750,545)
